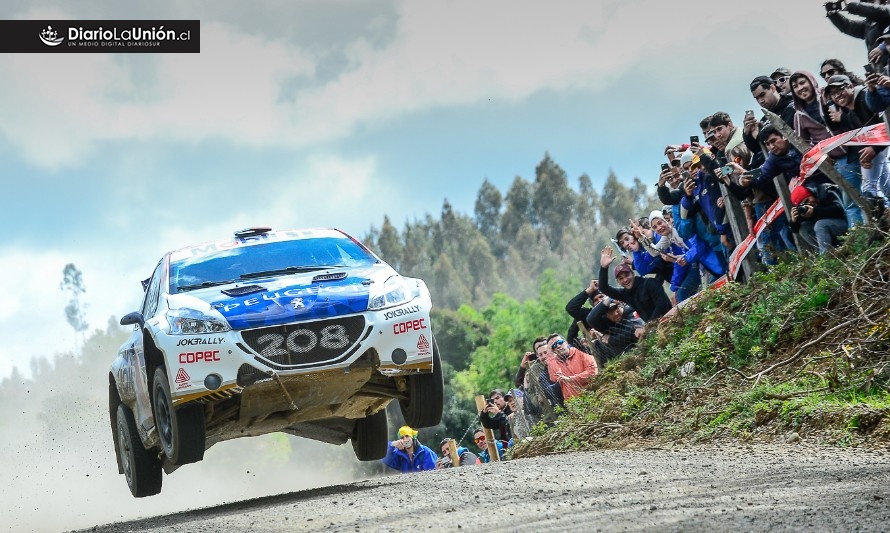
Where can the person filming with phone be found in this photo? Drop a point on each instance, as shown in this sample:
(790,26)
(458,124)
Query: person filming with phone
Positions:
(818,214)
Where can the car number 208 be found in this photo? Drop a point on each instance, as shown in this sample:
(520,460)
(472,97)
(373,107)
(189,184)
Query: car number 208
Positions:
(332,337)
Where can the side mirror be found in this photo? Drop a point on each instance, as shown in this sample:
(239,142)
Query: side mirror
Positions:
(133,318)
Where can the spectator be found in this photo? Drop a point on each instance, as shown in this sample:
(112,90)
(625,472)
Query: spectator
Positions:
(701,193)
(784,159)
(643,262)
(578,311)
(818,214)
(685,254)
(646,295)
(624,329)
(542,395)
(407,454)
(494,416)
(466,457)
(869,28)
(781,77)
(833,67)
(857,107)
(767,94)
(809,122)
(482,444)
(570,367)
(519,419)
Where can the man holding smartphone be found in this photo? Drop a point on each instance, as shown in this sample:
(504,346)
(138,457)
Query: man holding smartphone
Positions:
(818,214)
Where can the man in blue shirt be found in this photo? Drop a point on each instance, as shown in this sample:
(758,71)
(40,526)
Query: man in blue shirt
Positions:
(407,454)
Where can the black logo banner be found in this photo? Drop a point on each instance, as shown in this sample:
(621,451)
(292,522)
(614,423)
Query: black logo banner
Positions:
(102,36)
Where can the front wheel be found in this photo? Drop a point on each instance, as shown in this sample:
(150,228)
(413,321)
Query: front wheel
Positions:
(141,468)
(426,396)
(181,431)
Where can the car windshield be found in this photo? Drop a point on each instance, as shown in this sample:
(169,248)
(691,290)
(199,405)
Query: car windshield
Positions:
(272,258)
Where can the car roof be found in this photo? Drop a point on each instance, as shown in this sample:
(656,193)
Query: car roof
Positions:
(206,248)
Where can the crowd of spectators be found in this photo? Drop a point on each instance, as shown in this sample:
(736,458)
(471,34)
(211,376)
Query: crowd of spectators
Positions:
(663,258)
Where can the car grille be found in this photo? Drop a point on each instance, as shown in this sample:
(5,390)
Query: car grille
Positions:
(305,343)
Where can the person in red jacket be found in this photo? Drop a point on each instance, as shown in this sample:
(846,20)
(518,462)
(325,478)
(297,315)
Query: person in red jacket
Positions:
(570,367)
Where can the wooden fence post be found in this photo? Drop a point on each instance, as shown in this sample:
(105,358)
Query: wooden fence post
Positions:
(489,434)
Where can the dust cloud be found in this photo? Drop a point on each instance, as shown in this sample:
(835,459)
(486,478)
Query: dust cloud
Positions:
(59,462)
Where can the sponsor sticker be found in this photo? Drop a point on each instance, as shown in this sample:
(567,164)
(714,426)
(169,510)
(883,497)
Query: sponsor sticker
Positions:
(423,345)
(411,325)
(182,376)
(402,311)
(197,357)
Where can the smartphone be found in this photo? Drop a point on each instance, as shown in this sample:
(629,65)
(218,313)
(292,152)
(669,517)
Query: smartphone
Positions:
(693,139)
(869,68)
(749,113)
(665,167)
(727,170)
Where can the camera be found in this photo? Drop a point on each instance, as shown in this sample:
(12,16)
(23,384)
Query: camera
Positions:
(489,401)
(693,139)
(834,6)
(869,68)
(727,170)
(665,167)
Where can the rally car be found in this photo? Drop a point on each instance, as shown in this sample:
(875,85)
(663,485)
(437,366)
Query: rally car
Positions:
(303,331)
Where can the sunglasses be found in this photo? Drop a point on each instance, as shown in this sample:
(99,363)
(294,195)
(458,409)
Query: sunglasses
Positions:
(560,342)
(479,439)
(829,73)
(781,79)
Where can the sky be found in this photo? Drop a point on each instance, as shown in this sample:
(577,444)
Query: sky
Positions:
(334,114)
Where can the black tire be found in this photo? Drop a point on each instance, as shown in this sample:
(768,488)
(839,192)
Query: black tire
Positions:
(181,431)
(369,438)
(426,396)
(141,467)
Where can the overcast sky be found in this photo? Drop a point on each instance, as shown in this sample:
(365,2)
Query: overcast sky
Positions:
(328,113)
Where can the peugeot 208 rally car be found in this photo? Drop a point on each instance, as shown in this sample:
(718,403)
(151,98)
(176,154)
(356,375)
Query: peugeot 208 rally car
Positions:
(305,332)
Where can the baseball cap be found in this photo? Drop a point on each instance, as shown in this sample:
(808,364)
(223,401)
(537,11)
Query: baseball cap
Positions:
(623,267)
(779,72)
(799,194)
(839,80)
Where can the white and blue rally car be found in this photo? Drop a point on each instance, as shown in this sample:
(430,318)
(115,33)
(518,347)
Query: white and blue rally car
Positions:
(304,331)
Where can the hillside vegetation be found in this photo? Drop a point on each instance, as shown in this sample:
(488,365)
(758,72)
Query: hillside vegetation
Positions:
(799,353)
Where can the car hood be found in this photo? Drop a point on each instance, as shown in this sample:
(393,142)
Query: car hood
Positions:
(283,299)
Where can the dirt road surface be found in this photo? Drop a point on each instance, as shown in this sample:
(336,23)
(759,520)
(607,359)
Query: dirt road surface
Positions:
(793,487)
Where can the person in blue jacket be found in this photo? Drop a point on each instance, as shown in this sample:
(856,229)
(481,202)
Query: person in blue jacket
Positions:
(407,454)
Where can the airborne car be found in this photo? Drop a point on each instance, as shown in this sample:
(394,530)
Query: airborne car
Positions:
(305,332)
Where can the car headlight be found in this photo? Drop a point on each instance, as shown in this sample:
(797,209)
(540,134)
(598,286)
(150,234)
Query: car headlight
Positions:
(396,290)
(186,321)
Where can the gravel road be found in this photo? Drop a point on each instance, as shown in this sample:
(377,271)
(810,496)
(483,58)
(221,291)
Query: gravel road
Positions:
(714,488)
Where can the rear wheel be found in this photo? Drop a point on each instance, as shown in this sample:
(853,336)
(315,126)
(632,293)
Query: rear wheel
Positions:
(141,468)
(426,393)
(369,439)
(181,431)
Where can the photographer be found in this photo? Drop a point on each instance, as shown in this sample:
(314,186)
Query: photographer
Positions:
(465,455)
(818,215)
(494,416)
(869,28)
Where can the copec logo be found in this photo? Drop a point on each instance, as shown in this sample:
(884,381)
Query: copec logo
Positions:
(411,325)
(196,357)
(50,37)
